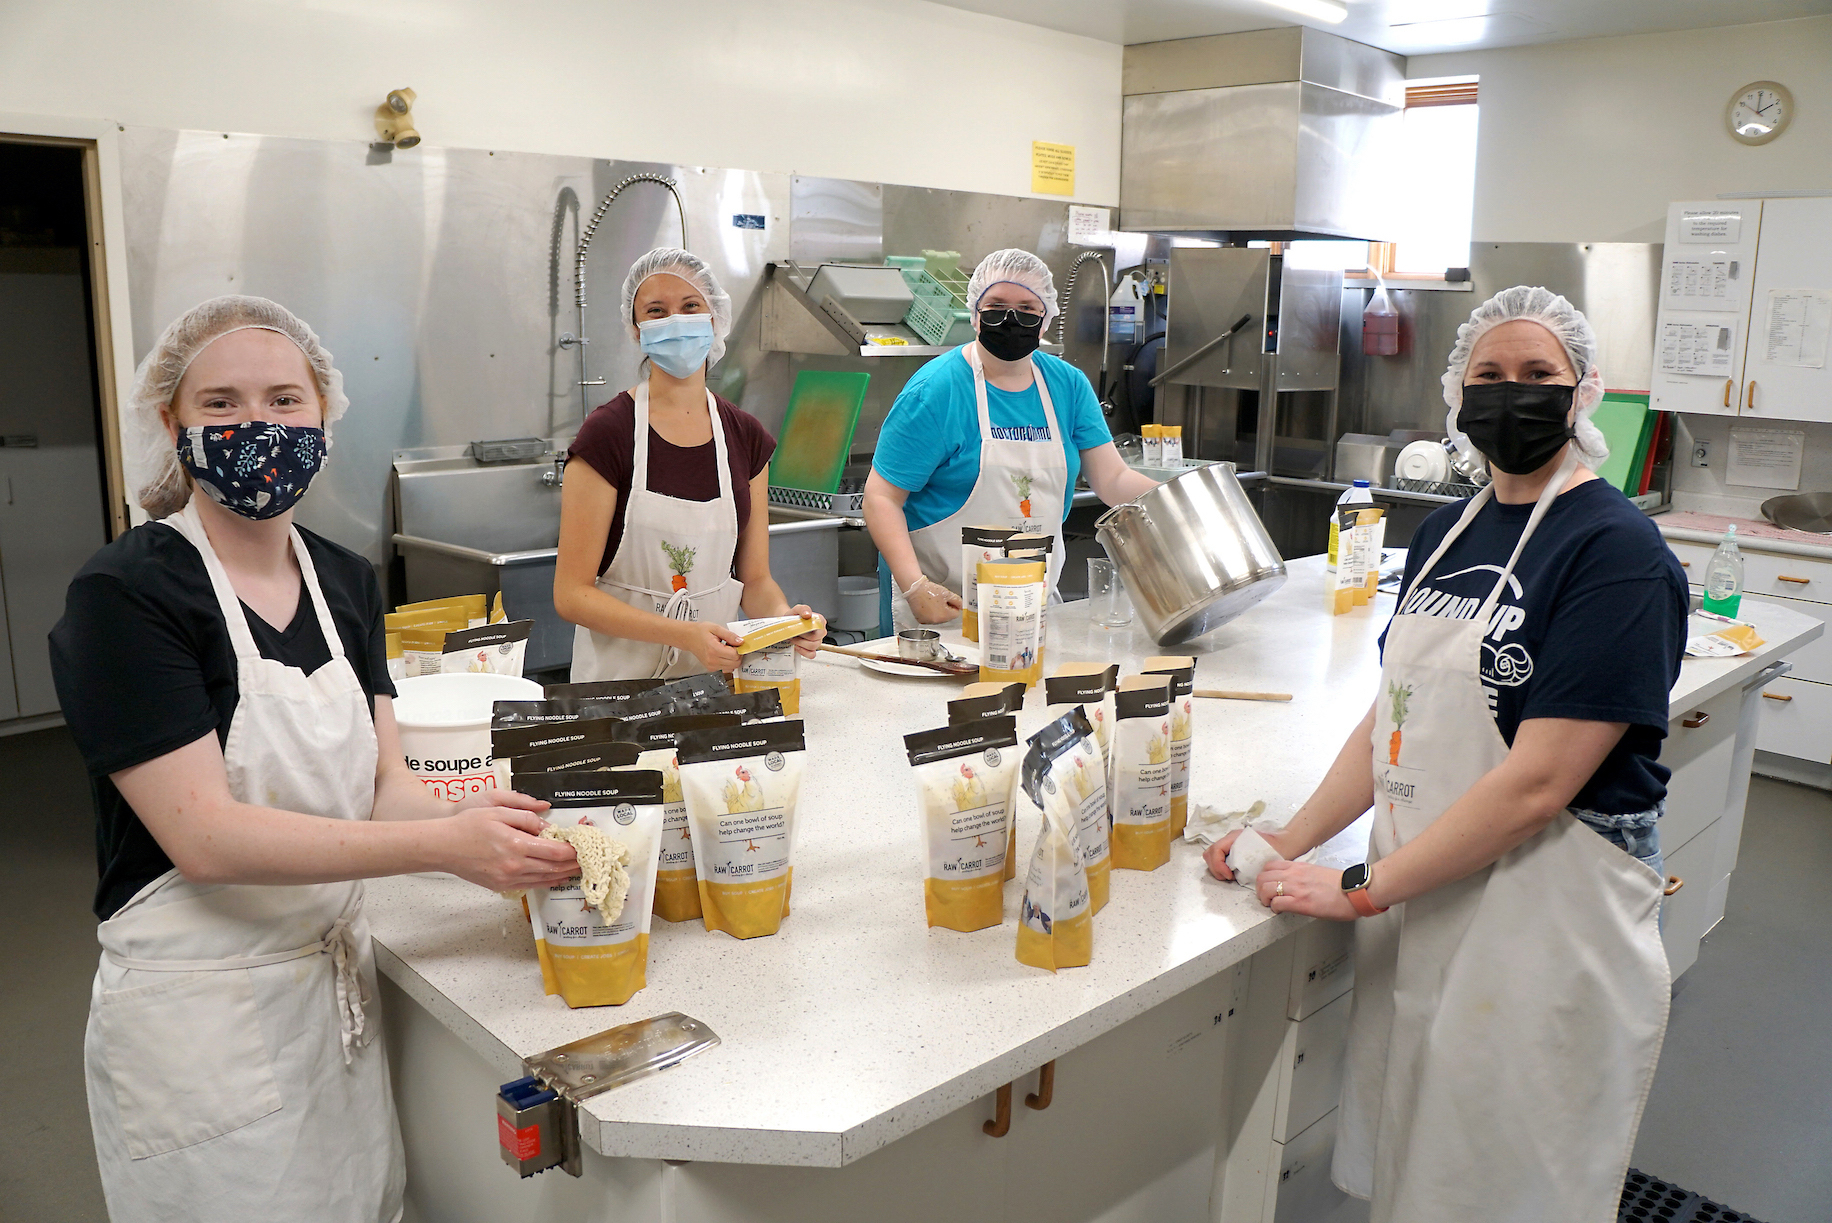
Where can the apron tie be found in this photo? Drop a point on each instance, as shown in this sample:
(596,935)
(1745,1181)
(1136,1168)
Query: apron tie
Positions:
(352,1023)
(678,607)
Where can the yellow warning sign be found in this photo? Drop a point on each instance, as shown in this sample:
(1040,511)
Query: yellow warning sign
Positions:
(1052,168)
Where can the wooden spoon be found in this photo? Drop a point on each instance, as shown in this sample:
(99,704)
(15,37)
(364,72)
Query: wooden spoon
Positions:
(945,667)
(1224,694)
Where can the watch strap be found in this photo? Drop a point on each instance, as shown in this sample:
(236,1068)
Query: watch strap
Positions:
(1363,905)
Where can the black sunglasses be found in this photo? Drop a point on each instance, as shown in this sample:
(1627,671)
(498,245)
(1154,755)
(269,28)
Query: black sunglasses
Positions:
(994,316)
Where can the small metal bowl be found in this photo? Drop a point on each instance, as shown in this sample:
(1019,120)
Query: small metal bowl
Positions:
(919,645)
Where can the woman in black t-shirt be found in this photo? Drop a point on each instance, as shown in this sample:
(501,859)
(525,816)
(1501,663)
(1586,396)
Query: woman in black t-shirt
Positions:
(220,672)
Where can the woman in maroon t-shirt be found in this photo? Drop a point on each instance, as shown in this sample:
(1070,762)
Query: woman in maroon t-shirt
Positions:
(661,544)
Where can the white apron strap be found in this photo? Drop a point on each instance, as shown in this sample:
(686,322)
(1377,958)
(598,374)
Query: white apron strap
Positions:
(639,466)
(188,524)
(1553,487)
(333,640)
(972,353)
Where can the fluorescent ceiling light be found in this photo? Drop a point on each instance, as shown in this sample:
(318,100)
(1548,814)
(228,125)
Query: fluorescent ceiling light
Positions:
(1317,10)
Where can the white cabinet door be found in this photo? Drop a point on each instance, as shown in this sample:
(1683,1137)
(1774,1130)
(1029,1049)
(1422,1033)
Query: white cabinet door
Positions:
(1685,910)
(1797,720)
(1702,330)
(1786,373)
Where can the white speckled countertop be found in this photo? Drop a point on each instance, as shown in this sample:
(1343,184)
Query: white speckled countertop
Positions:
(857,1024)
(1753,533)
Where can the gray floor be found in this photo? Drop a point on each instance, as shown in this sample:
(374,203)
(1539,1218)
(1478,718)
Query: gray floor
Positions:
(1741,1109)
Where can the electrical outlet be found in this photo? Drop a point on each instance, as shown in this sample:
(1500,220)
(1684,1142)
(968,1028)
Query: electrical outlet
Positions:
(1701,454)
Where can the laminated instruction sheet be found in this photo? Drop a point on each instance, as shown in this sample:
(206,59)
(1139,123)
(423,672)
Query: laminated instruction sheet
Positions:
(1799,322)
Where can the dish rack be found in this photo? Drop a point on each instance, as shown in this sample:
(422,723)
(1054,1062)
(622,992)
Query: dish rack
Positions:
(845,505)
(938,313)
(1437,488)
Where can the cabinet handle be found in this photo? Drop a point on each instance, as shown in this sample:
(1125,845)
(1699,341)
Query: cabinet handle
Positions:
(1685,564)
(1674,883)
(1699,718)
(1728,384)
(1750,404)
(1046,1087)
(1000,1125)
(1782,577)
(1776,696)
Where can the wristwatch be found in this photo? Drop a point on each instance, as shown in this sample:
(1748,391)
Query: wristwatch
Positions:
(1355,882)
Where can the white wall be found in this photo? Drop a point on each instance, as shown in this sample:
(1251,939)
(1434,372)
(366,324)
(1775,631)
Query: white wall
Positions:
(1589,141)
(899,91)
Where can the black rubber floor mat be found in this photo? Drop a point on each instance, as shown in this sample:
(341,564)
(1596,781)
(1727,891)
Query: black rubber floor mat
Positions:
(1648,1199)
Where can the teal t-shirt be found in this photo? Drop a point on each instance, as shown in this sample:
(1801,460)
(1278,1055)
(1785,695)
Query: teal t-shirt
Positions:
(930,443)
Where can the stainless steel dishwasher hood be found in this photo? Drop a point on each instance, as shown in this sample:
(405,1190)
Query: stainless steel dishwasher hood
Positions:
(464,527)
(1269,135)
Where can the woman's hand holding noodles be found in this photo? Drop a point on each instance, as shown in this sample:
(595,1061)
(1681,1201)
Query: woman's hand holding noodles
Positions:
(502,849)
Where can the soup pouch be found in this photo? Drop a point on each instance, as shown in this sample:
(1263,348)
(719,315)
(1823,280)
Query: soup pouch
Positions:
(1055,923)
(963,794)
(990,700)
(741,785)
(1182,670)
(1088,782)
(978,544)
(767,658)
(586,959)
(1139,781)
(677,889)
(1012,594)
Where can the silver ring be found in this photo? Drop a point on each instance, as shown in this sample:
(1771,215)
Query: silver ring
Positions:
(1279,890)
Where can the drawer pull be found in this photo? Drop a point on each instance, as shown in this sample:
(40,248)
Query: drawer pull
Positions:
(1674,883)
(1046,1087)
(1749,405)
(1776,696)
(1728,383)
(1000,1125)
(1685,564)
(1782,577)
(1699,718)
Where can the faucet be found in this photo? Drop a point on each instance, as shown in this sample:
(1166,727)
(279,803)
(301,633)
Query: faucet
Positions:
(557,474)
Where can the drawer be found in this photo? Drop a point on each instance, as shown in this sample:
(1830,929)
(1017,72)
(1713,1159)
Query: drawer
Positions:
(1310,1067)
(1305,1191)
(1797,719)
(1766,573)
(1685,910)
(1684,743)
(1699,789)
(1814,659)
(1322,966)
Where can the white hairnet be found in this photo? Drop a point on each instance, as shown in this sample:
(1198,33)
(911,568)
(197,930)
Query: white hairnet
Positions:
(149,455)
(673,261)
(1567,325)
(1015,267)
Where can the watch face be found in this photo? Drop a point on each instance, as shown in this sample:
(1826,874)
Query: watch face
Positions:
(1355,877)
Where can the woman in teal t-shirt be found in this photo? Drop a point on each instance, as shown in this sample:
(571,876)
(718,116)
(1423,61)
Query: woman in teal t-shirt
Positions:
(991,434)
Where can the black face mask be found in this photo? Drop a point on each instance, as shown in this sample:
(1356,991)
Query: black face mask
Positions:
(1008,340)
(1518,426)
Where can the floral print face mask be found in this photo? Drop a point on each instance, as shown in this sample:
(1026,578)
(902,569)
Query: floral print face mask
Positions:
(256,469)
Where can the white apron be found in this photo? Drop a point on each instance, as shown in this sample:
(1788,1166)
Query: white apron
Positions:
(1007,467)
(232,1060)
(1506,1026)
(675,559)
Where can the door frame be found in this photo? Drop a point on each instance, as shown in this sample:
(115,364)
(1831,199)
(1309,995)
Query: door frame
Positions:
(107,258)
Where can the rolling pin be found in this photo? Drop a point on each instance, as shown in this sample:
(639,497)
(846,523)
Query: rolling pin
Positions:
(1225,694)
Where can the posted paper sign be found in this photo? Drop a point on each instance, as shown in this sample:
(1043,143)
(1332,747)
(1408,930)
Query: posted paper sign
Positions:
(1090,226)
(1052,168)
(1702,283)
(1697,348)
(1799,321)
(1711,225)
(1765,458)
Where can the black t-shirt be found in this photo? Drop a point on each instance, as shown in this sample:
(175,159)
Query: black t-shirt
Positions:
(1591,626)
(144,665)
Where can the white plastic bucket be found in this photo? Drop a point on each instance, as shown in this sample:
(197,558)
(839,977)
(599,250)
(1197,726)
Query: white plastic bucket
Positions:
(445,728)
(858,605)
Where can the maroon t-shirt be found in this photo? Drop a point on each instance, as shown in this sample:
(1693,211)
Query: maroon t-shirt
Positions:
(607,441)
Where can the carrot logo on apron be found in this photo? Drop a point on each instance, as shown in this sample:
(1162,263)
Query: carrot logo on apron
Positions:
(1400,694)
(1023,485)
(680,562)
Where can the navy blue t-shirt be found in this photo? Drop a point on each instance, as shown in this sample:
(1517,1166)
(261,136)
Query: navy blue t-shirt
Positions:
(1592,624)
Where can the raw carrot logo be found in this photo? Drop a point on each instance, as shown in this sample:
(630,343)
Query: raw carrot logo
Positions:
(1400,694)
(1023,484)
(680,560)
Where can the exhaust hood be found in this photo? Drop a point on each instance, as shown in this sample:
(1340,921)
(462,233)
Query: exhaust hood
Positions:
(1273,135)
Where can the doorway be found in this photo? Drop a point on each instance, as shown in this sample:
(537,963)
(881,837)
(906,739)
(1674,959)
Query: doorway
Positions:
(56,441)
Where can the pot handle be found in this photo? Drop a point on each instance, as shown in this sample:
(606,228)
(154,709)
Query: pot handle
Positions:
(1114,514)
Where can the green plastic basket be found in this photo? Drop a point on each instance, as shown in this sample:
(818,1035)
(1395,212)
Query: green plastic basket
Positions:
(933,313)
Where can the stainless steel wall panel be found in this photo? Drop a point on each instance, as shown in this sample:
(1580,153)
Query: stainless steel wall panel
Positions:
(1192,157)
(1211,287)
(1256,57)
(835,220)
(1346,149)
(1310,326)
(1353,67)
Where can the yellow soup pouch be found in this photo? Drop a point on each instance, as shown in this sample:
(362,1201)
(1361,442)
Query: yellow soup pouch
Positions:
(397,665)
(1182,670)
(442,616)
(599,955)
(472,610)
(1012,593)
(1055,923)
(1139,781)
(1151,438)
(741,785)
(963,794)
(977,544)
(992,700)
(422,650)
(767,657)
(677,890)
(497,612)
(1035,546)
(1089,776)
(490,649)
(1090,685)
(1369,531)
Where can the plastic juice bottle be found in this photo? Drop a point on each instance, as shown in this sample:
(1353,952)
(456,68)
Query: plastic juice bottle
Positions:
(1724,576)
(1358,493)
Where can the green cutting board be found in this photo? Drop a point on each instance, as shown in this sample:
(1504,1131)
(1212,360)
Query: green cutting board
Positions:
(1626,424)
(817,430)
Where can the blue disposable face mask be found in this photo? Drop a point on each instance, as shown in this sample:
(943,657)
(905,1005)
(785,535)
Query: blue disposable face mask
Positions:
(679,343)
(254,468)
